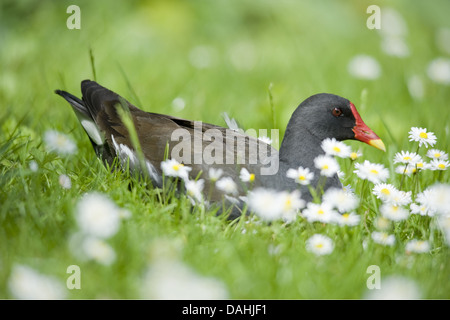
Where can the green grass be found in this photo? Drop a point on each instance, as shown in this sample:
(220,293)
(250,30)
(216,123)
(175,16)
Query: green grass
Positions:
(142,52)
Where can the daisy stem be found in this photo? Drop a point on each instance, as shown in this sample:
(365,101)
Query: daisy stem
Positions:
(416,182)
(403,177)
(210,190)
(313,192)
(363,189)
(320,185)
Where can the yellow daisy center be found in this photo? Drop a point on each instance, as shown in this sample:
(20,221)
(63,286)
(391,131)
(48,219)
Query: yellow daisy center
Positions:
(407,158)
(441,166)
(423,135)
(325,167)
(61,140)
(320,211)
(336,149)
(374,171)
(385,191)
(288,204)
(252,177)
(301,177)
(319,245)
(437,155)
(353,156)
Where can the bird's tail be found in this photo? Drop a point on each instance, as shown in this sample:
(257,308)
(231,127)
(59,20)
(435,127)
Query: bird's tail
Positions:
(77,104)
(85,117)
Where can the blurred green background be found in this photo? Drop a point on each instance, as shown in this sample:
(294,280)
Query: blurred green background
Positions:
(219,56)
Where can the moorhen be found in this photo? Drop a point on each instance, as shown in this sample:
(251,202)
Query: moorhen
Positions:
(203,146)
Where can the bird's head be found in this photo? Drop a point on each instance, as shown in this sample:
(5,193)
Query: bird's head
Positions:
(330,116)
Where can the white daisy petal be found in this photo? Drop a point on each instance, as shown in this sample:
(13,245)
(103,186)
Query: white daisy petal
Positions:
(319,245)
(333,147)
(59,143)
(327,165)
(375,173)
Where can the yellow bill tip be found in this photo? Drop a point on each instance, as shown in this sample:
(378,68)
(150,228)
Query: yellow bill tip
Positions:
(378,143)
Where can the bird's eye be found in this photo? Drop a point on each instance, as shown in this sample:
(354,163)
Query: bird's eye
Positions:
(337,112)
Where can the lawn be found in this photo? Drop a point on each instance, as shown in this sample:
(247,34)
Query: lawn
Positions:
(255,60)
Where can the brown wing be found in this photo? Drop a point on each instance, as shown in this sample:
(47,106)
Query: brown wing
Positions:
(196,144)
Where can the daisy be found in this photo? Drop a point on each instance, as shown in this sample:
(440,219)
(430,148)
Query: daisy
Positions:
(421,165)
(33,165)
(389,194)
(322,212)
(374,172)
(172,168)
(384,191)
(169,279)
(227,185)
(438,164)
(437,197)
(382,223)
(194,189)
(327,165)
(28,284)
(395,288)
(406,170)
(60,143)
(341,200)
(355,155)
(394,212)
(178,104)
(97,216)
(395,46)
(407,157)
(400,198)
(417,246)
(291,203)
(301,175)
(348,188)
(214,174)
(437,154)
(420,209)
(246,176)
(333,147)
(425,201)
(265,203)
(439,71)
(348,219)
(98,250)
(422,136)
(319,245)
(383,238)
(64,181)
(364,67)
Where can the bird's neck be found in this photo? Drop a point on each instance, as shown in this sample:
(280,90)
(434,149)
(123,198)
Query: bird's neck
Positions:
(299,148)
